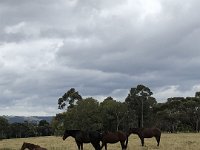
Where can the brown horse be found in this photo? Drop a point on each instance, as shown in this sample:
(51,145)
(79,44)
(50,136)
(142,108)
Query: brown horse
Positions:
(114,137)
(146,133)
(93,137)
(31,146)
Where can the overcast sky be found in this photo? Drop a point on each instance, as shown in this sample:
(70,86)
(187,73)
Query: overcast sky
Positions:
(100,47)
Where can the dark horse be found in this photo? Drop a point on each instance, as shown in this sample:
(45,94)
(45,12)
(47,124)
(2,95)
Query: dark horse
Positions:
(114,137)
(146,133)
(31,146)
(93,137)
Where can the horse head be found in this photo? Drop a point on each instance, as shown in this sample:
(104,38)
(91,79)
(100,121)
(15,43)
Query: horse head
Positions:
(23,146)
(66,134)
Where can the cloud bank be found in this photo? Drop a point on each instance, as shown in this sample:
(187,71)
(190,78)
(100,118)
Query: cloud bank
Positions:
(100,48)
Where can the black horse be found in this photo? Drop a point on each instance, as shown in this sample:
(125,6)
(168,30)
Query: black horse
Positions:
(146,133)
(93,137)
(114,137)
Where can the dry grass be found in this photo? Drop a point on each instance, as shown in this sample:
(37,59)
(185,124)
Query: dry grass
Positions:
(181,141)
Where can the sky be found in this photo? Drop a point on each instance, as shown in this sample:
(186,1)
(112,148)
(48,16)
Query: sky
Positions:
(101,48)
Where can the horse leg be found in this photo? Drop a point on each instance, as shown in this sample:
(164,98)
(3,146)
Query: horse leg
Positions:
(96,145)
(158,140)
(126,142)
(142,141)
(81,146)
(123,145)
(105,146)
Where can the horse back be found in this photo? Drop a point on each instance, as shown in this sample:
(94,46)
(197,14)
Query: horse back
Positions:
(111,137)
(156,131)
(122,136)
(151,132)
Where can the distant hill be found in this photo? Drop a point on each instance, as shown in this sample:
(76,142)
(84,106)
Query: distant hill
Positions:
(31,119)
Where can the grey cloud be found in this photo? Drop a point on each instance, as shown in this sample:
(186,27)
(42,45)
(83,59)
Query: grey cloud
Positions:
(100,48)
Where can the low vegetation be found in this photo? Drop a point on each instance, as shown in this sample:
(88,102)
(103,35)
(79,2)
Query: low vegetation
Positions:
(179,141)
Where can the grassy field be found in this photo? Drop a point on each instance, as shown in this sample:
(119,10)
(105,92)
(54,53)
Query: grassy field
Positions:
(180,141)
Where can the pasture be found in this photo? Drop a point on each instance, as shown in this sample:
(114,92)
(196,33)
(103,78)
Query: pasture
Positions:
(180,141)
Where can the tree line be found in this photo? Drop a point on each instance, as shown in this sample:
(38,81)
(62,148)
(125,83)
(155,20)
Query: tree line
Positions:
(23,130)
(139,109)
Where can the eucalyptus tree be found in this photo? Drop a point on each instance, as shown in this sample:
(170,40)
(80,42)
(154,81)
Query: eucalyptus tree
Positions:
(170,113)
(192,108)
(140,102)
(88,114)
(113,113)
(69,99)
(4,127)
(197,94)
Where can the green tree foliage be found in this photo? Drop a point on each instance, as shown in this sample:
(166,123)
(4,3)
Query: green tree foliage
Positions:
(113,114)
(57,123)
(179,114)
(44,128)
(88,114)
(19,130)
(43,123)
(69,98)
(140,103)
(31,129)
(192,110)
(84,115)
(169,113)
(4,128)
(27,129)
(197,94)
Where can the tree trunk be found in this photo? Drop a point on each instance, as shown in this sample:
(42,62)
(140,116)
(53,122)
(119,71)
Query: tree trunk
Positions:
(117,122)
(139,122)
(197,125)
(142,118)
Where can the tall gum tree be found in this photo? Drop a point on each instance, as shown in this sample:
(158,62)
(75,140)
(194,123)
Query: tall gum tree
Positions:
(140,102)
(69,99)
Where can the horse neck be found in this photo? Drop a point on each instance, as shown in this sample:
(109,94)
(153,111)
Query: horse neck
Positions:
(23,147)
(137,131)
